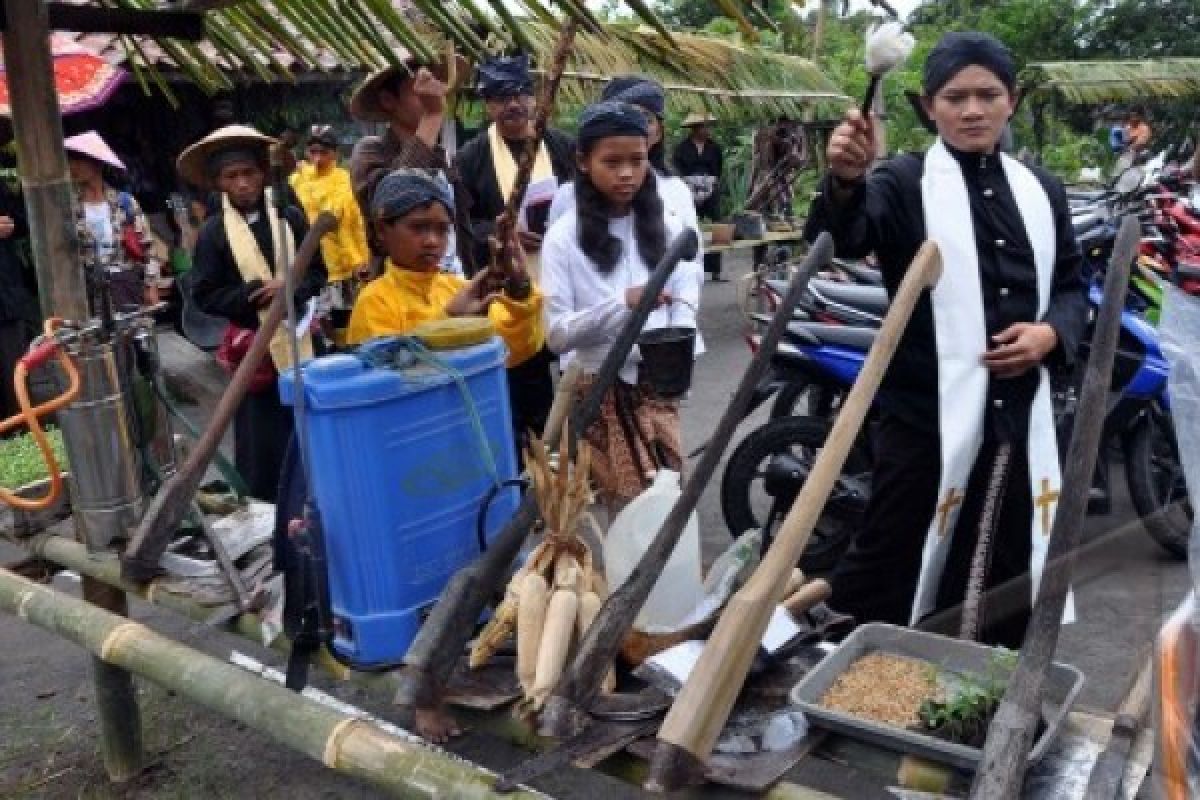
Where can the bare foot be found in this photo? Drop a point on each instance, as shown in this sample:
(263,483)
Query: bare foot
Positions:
(436,725)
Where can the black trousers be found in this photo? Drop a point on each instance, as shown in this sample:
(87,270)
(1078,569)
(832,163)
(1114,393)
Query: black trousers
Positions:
(530,393)
(876,580)
(261,431)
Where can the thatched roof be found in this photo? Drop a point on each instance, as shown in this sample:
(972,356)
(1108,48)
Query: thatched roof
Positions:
(1115,81)
(700,72)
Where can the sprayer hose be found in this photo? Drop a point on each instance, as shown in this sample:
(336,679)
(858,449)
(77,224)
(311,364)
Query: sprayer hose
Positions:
(31,416)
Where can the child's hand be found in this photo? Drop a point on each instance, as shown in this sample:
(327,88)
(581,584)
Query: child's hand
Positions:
(633,296)
(474,298)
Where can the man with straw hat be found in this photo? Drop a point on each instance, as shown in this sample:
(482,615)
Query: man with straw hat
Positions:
(113,233)
(411,100)
(699,161)
(238,268)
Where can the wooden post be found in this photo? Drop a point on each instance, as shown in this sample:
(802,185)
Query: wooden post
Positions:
(49,201)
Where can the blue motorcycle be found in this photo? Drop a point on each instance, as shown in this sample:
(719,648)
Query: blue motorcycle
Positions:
(818,362)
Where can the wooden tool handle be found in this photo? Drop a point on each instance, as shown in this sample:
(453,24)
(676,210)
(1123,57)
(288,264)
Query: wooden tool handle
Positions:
(561,405)
(140,561)
(703,705)
(807,596)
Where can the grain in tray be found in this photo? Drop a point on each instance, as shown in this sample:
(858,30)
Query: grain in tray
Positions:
(883,688)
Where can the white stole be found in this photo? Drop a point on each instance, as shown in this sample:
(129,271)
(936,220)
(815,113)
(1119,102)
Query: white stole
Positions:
(252,265)
(961,335)
(505,166)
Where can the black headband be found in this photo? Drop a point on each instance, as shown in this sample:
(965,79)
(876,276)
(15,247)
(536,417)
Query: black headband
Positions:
(505,77)
(233,155)
(958,50)
(639,91)
(611,118)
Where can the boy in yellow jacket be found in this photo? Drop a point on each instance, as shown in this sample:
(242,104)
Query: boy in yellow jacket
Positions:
(321,184)
(413,214)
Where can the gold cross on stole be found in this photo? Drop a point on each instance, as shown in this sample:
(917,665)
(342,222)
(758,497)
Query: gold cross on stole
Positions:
(1045,502)
(953,498)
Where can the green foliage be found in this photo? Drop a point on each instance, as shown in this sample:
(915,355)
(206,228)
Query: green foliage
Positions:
(21,461)
(735,182)
(962,714)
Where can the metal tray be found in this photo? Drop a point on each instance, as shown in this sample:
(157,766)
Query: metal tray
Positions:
(1062,686)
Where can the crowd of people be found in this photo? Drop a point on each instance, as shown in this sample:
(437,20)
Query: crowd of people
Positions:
(416,240)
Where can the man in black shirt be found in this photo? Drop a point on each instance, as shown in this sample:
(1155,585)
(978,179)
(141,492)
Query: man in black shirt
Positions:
(699,161)
(236,275)
(969,374)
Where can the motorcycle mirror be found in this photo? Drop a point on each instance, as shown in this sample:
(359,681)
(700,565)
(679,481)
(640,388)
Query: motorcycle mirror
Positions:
(1128,181)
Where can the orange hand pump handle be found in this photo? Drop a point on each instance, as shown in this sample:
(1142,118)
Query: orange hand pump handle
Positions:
(37,356)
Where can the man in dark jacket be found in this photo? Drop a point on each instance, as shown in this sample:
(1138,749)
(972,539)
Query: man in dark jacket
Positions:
(966,398)
(487,164)
(236,275)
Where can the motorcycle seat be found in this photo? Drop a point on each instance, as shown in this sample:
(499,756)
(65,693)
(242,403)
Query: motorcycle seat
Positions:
(1093,237)
(865,275)
(850,336)
(871,299)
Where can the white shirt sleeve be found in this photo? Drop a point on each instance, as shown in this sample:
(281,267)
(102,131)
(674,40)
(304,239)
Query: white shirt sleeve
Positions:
(563,203)
(578,313)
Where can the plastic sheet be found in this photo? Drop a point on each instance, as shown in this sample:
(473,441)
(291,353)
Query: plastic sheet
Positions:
(1177,652)
(1179,329)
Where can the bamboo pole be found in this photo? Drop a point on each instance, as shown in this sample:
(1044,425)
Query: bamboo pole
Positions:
(403,767)
(74,556)
(49,200)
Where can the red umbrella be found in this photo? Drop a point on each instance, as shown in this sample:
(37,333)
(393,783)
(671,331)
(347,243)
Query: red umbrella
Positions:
(83,79)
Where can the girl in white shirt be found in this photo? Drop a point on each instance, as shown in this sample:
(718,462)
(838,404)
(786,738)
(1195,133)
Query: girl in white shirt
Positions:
(596,260)
(649,96)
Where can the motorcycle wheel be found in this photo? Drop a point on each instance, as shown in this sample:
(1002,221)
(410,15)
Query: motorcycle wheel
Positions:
(1156,484)
(745,505)
(805,397)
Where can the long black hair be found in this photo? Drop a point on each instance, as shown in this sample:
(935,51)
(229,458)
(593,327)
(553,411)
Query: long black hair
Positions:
(594,212)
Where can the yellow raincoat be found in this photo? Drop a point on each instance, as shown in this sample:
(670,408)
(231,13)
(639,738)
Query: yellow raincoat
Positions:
(345,249)
(401,299)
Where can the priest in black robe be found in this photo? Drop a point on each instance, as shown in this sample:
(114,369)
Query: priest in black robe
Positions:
(1016,242)
(233,161)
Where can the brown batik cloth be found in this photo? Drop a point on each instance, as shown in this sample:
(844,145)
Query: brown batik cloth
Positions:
(615,466)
